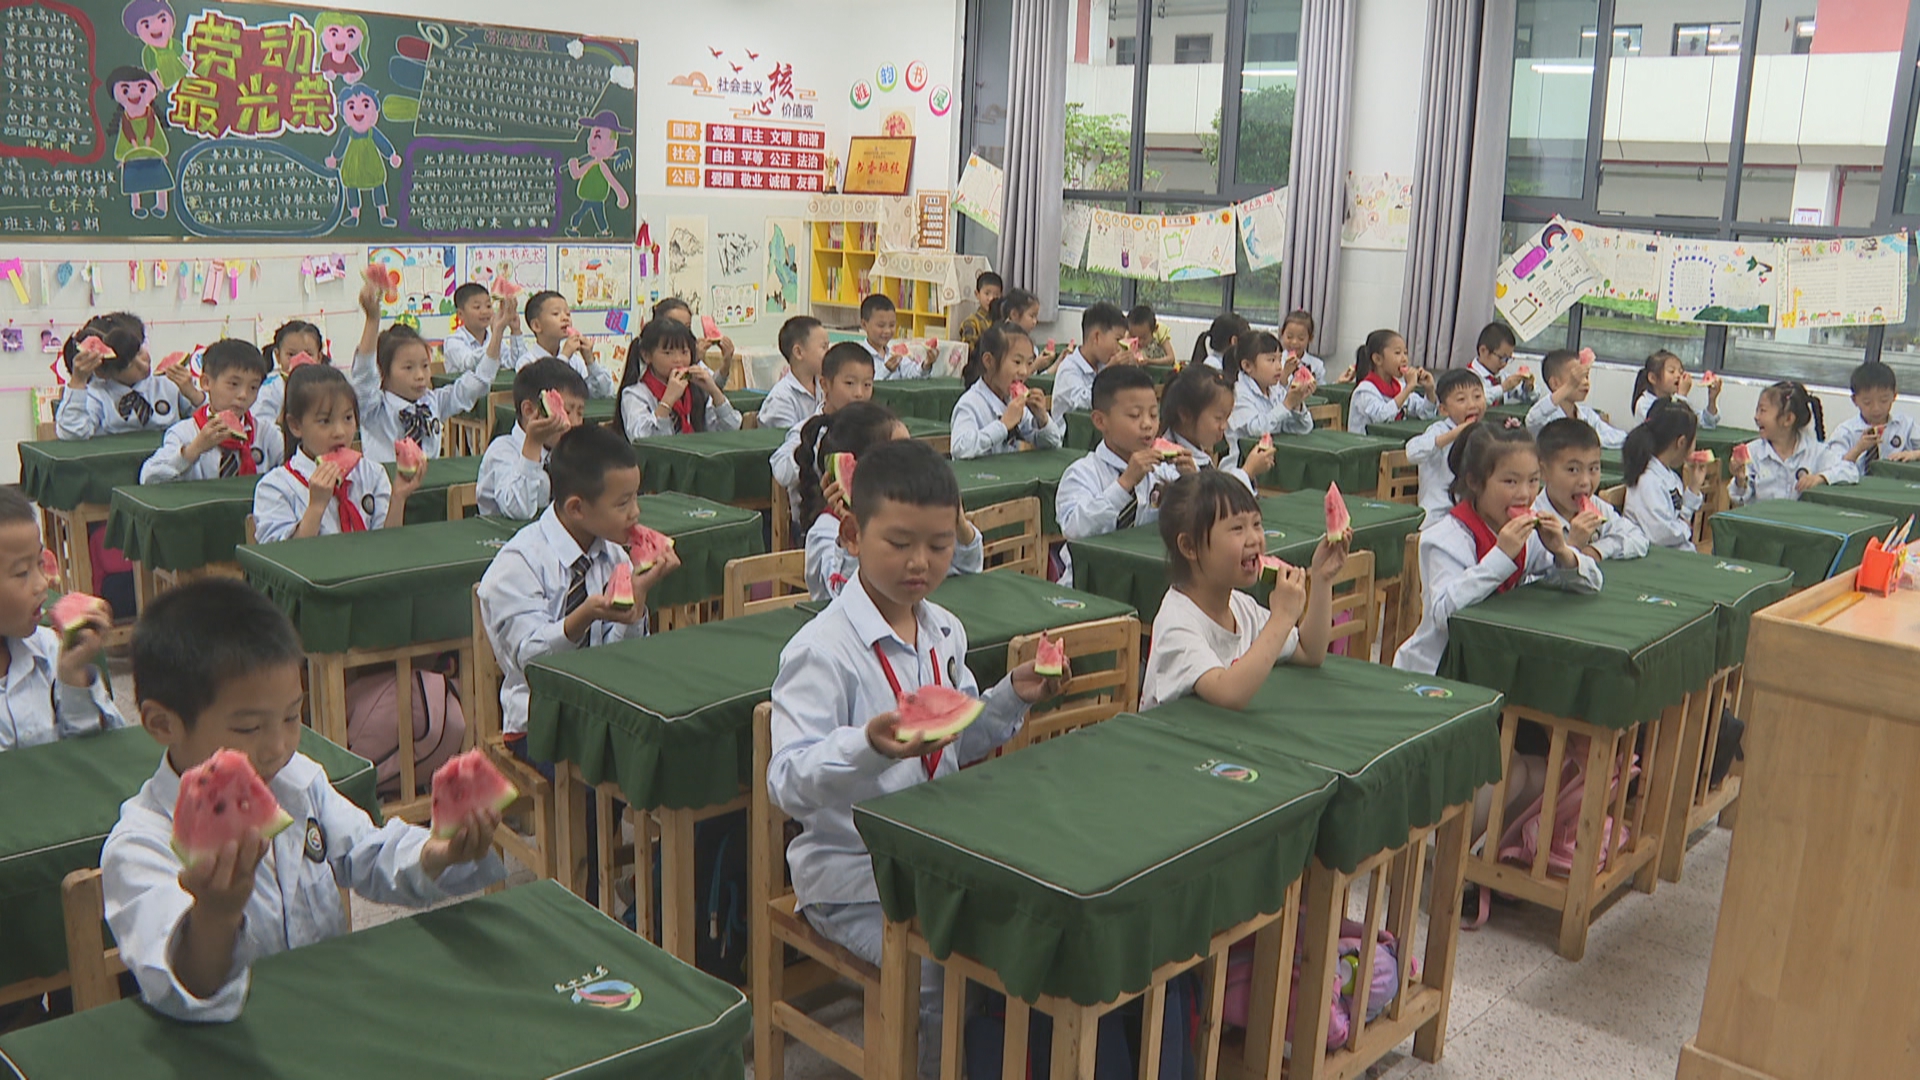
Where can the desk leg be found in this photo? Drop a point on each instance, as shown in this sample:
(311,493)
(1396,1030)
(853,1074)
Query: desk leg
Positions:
(1443,938)
(1013,1050)
(1661,785)
(1686,775)
(1593,805)
(1267,1005)
(1074,1043)
(676,883)
(570,827)
(897,1055)
(327,695)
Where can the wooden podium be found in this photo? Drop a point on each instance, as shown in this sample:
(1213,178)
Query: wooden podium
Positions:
(1816,957)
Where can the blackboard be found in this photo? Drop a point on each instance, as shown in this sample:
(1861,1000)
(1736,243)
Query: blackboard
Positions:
(275,122)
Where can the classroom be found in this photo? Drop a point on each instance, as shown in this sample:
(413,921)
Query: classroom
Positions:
(960,539)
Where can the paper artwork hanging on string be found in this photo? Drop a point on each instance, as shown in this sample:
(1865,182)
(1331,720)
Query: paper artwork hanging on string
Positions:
(1263,228)
(596,277)
(982,188)
(1545,276)
(1855,281)
(1725,282)
(1379,211)
(1197,245)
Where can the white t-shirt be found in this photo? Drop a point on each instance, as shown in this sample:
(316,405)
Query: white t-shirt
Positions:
(1187,644)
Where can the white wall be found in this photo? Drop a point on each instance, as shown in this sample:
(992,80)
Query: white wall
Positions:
(1389,55)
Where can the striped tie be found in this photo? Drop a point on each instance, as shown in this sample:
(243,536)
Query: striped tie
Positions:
(134,407)
(1128,514)
(230,462)
(577,587)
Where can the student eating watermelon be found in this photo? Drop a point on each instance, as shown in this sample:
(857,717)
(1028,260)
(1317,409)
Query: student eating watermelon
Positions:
(202,875)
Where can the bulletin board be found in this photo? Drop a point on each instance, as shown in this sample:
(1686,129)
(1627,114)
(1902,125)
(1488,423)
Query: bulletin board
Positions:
(176,119)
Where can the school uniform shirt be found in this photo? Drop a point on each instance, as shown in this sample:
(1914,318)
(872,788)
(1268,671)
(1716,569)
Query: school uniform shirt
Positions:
(831,683)
(1436,473)
(1187,644)
(1370,406)
(1663,507)
(1617,538)
(789,404)
(600,382)
(106,407)
(1899,435)
(786,470)
(267,403)
(510,485)
(170,462)
(1708,418)
(1073,383)
(1228,463)
(386,417)
(37,708)
(296,888)
(523,598)
(1215,361)
(1454,576)
(638,416)
(467,352)
(1775,477)
(829,567)
(1519,395)
(978,432)
(1545,412)
(1258,412)
(1091,501)
(280,498)
(909,367)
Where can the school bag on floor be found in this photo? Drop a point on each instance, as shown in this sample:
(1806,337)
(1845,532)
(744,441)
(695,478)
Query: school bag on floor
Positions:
(373,724)
(1116,1038)
(1521,840)
(1386,981)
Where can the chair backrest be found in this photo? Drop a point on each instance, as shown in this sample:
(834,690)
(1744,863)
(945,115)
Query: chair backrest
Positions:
(785,572)
(1413,605)
(1616,496)
(94,967)
(45,431)
(750,420)
(780,517)
(1353,595)
(766,822)
(1103,677)
(1327,416)
(483,713)
(1399,479)
(253,536)
(1020,550)
(462,498)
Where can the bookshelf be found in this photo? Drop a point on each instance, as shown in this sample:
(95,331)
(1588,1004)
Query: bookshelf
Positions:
(842,275)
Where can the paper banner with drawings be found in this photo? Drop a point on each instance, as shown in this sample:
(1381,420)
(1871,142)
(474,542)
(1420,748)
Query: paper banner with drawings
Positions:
(1856,281)
(1263,228)
(1196,245)
(1075,219)
(1628,264)
(525,265)
(1126,245)
(736,305)
(780,292)
(1545,276)
(1379,211)
(594,278)
(1726,282)
(686,253)
(982,187)
(420,279)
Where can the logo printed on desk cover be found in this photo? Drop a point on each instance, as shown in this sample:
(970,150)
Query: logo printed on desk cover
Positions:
(1661,600)
(1066,602)
(1428,691)
(597,990)
(1227,770)
(1733,567)
(701,514)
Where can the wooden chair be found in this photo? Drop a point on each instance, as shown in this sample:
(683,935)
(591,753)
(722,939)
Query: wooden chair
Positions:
(1401,607)
(780,518)
(1103,665)
(1399,479)
(1327,416)
(536,791)
(1022,552)
(785,571)
(777,927)
(1353,593)
(253,535)
(94,966)
(462,498)
(1616,496)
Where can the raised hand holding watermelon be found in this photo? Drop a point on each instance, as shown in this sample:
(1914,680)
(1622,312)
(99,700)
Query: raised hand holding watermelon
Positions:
(1329,558)
(82,621)
(885,735)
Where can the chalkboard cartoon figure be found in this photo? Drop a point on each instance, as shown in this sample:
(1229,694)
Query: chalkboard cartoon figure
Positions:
(152,22)
(594,171)
(363,153)
(343,41)
(141,148)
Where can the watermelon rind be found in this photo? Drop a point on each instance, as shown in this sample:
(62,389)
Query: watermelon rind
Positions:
(1168,449)
(454,770)
(1050,666)
(934,731)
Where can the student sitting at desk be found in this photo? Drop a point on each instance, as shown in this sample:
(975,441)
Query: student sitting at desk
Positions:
(311,497)
(1792,453)
(846,376)
(1217,342)
(1118,485)
(676,309)
(296,343)
(50,689)
(1101,327)
(879,320)
(1570,469)
(203,446)
(1388,388)
(990,418)
(551,320)
(1194,416)
(111,387)
(1296,343)
(1210,638)
(393,381)
(663,392)
(1569,378)
(474,337)
(830,557)
(1462,404)
(834,726)
(216,666)
(1156,341)
(1664,377)
(513,474)
(1266,399)
(1877,431)
(1664,489)
(803,342)
(1491,355)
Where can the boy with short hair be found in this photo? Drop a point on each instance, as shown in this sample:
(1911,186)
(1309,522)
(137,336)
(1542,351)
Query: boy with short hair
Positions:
(986,289)
(111,387)
(231,373)
(513,474)
(1569,378)
(546,591)
(846,376)
(216,666)
(835,736)
(50,689)
(474,339)
(1490,356)
(1462,402)
(1569,453)
(1156,341)
(1117,486)
(803,342)
(1875,387)
(551,321)
(392,379)
(1102,327)
(880,322)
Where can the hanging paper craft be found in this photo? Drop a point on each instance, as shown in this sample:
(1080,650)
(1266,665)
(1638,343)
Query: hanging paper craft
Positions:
(1548,274)
(982,186)
(1196,245)
(1628,264)
(1379,211)
(596,278)
(1263,228)
(521,265)
(15,271)
(1857,281)
(736,305)
(1076,219)
(1126,245)
(420,279)
(13,339)
(1728,282)
(686,251)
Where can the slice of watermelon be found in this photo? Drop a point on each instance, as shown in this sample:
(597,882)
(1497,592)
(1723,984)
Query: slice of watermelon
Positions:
(1270,569)
(933,346)
(345,459)
(1740,454)
(408,457)
(840,468)
(76,611)
(1587,505)
(300,360)
(1302,376)
(1701,457)
(1266,441)
(710,328)
(1131,344)
(932,713)
(167,363)
(1339,520)
(1514,513)
(1051,660)
(465,784)
(1052,344)
(234,421)
(1587,357)
(899,348)
(620,590)
(552,404)
(1016,392)
(220,799)
(1168,449)
(93,344)
(645,547)
(1708,378)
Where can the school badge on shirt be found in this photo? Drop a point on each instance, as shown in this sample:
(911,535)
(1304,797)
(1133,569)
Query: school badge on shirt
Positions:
(366,504)
(314,844)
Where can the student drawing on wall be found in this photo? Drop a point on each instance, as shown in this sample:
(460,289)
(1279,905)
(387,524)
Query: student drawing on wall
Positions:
(141,147)
(594,171)
(363,153)
(343,44)
(152,22)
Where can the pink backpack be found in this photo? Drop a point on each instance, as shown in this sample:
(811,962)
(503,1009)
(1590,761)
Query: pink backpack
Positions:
(1521,840)
(373,724)
(1386,981)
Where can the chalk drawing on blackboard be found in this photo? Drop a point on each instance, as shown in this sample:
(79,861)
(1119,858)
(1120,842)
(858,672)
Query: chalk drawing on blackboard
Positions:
(140,140)
(593,171)
(363,153)
(152,21)
(343,39)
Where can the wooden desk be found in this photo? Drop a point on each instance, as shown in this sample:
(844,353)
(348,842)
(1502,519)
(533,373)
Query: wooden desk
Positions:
(1814,955)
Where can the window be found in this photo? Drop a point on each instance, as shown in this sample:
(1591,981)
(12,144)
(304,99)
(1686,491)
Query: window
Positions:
(1802,37)
(1193,49)
(1552,96)
(1705,39)
(983,123)
(1124,50)
(1626,40)
(1272,48)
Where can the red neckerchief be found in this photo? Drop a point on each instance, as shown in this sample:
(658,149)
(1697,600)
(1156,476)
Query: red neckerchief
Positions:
(245,445)
(931,761)
(682,409)
(350,518)
(1388,387)
(1484,541)
(1493,380)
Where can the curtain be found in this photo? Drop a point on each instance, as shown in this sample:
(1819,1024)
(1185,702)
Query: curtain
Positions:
(1453,244)
(1310,270)
(1036,142)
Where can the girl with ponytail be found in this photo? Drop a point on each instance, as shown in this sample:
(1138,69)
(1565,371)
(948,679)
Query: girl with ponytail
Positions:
(1386,387)
(1218,342)
(1792,453)
(1660,499)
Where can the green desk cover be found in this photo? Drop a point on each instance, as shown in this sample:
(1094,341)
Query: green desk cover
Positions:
(364,1005)
(1812,540)
(1042,381)
(1517,412)
(58,802)
(1033,472)
(1000,606)
(1734,587)
(745,398)
(1896,470)
(1324,456)
(725,466)
(188,525)
(668,717)
(597,411)
(1895,497)
(929,399)
(1405,747)
(1338,392)
(61,475)
(1614,659)
(1080,431)
(1722,440)
(1079,864)
(706,535)
(1401,431)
